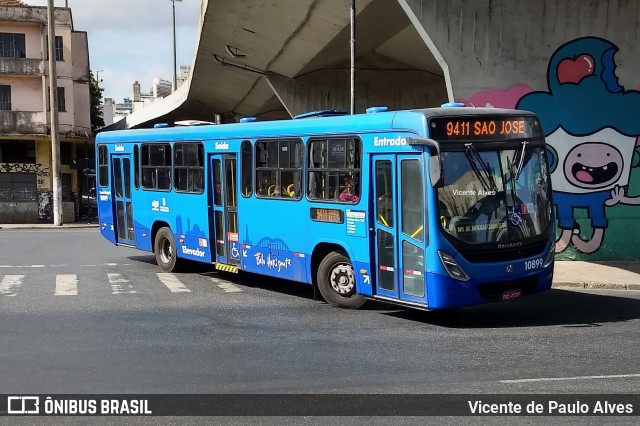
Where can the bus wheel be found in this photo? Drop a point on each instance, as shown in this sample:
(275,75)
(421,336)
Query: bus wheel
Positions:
(165,250)
(337,282)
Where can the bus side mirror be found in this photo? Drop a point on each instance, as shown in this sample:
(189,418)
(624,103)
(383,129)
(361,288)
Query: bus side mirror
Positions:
(435,171)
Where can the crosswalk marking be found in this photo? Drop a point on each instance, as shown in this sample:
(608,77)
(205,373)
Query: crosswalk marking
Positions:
(227,287)
(173,283)
(10,284)
(66,285)
(120,285)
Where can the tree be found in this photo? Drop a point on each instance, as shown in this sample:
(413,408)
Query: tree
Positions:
(95,92)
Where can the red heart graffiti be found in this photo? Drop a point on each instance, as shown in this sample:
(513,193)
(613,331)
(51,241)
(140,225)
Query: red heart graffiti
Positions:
(574,70)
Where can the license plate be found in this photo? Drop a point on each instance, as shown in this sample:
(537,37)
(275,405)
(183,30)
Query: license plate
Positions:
(511,294)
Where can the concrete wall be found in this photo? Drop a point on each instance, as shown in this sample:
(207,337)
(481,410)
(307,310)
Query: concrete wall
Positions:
(26,93)
(575,64)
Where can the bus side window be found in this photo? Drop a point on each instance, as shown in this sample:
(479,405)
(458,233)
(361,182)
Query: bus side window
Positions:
(334,170)
(384,194)
(247,169)
(103,166)
(156,166)
(279,168)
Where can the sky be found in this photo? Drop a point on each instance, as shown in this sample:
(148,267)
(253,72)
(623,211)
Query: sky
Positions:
(132,40)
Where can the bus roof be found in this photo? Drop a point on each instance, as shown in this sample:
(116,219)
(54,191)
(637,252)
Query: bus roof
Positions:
(414,121)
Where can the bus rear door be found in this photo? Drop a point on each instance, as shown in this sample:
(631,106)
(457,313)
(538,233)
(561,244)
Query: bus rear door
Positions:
(121,193)
(400,236)
(224,212)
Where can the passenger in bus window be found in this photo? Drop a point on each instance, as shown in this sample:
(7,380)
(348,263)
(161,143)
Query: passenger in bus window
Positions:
(348,193)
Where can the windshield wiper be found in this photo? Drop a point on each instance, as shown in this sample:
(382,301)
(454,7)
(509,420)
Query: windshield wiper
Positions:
(519,168)
(487,180)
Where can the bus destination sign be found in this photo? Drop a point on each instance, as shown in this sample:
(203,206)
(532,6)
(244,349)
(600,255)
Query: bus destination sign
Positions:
(486,129)
(327,215)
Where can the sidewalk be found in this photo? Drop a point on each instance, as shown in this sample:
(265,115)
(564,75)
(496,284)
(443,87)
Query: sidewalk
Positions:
(47,225)
(609,275)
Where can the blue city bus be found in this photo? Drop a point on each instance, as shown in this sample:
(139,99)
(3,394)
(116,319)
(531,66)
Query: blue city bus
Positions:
(431,208)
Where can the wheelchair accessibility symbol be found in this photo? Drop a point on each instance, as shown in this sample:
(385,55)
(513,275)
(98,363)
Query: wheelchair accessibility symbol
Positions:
(235,253)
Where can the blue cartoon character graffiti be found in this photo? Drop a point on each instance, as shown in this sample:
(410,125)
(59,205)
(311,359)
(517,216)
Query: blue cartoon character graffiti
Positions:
(591,125)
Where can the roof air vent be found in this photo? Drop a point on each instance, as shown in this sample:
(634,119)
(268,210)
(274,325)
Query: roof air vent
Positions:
(374,110)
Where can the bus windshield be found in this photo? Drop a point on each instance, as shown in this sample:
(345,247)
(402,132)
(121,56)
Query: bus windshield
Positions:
(495,196)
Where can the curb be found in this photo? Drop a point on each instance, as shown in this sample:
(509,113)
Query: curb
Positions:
(595,286)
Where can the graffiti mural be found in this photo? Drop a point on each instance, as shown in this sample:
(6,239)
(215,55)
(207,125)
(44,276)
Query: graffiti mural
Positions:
(38,169)
(591,125)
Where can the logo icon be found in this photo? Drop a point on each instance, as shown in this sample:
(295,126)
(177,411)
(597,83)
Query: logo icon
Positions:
(23,405)
(509,269)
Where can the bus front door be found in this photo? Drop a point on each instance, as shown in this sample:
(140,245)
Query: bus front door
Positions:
(225,211)
(400,235)
(121,187)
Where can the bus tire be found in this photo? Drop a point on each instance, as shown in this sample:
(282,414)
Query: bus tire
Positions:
(337,282)
(165,250)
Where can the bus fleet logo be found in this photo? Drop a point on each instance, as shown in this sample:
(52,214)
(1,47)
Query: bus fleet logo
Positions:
(156,207)
(222,145)
(192,252)
(399,141)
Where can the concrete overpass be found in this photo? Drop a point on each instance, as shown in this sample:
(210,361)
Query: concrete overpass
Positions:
(572,62)
(275,59)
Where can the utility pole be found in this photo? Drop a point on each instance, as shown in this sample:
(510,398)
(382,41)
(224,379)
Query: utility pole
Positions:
(353,57)
(53,103)
(174,86)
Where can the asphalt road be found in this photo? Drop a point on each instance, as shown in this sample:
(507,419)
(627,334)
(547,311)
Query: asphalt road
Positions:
(117,326)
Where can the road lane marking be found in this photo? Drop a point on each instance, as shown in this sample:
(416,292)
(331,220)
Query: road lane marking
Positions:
(558,379)
(66,285)
(10,285)
(173,283)
(120,285)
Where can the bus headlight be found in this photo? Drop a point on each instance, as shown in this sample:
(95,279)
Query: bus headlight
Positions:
(550,256)
(453,269)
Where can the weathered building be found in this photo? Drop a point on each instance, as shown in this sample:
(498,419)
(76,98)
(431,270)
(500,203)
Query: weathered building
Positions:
(25,143)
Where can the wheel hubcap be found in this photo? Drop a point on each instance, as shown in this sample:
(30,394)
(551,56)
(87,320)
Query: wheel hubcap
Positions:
(166,251)
(342,280)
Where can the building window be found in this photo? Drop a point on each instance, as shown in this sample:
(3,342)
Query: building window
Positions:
(156,166)
(12,45)
(62,107)
(65,153)
(334,170)
(188,163)
(59,49)
(17,152)
(5,97)
(279,169)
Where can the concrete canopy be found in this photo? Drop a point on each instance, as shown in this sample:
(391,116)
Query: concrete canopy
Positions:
(277,58)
